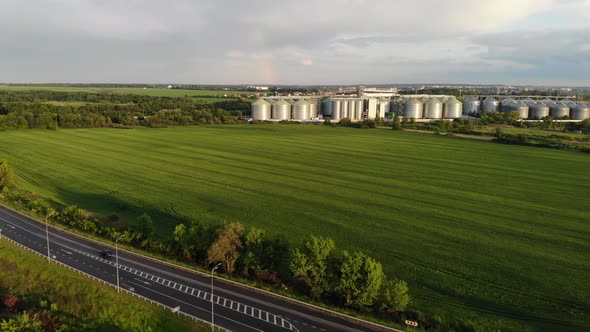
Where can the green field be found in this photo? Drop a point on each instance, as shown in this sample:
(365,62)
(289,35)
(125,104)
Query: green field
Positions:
(491,234)
(154,92)
(31,279)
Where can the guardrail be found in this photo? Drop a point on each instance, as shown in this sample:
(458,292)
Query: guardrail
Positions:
(197,319)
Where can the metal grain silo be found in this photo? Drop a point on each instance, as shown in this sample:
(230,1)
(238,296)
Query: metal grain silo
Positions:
(508,105)
(360,108)
(548,102)
(523,109)
(453,109)
(383,107)
(413,108)
(581,112)
(328,107)
(313,108)
(336,109)
(281,110)
(490,105)
(261,110)
(301,110)
(352,109)
(471,105)
(433,109)
(528,101)
(344,109)
(571,105)
(559,110)
(538,111)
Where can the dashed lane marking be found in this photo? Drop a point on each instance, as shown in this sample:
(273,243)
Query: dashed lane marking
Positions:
(227,303)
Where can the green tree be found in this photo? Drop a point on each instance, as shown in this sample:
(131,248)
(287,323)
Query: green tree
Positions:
(361,278)
(145,225)
(6,175)
(396,124)
(310,265)
(180,233)
(21,323)
(225,248)
(252,259)
(394,296)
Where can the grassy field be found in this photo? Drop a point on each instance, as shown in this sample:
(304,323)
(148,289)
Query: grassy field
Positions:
(30,277)
(154,92)
(531,131)
(491,234)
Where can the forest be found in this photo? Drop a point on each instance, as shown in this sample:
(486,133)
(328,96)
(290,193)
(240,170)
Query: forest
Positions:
(53,109)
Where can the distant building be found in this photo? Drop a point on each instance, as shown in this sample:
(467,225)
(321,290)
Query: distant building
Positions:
(258,88)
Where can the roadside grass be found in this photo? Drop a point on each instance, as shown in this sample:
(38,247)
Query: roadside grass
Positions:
(489,234)
(31,278)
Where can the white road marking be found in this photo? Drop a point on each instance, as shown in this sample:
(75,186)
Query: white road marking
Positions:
(199,308)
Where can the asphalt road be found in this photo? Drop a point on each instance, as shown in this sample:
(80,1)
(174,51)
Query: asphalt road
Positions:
(237,308)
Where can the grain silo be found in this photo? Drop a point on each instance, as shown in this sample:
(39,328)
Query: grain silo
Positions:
(281,110)
(383,105)
(261,110)
(433,109)
(413,108)
(471,105)
(559,110)
(523,109)
(336,109)
(508,105)
(301,110)
(371,108)
(354,113)
(360,108)
(313,108)
(453,109)
(571,104)
(548,102)
(539,111)
(528,101)
(581,112)
(328,107)
(344,109)
(490,105)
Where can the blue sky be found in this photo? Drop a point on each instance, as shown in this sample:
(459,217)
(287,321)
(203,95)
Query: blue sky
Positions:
(539,42)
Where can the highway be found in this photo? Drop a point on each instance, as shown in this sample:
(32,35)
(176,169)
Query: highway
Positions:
(237,308)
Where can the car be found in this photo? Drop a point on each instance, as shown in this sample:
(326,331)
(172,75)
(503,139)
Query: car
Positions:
(106,253)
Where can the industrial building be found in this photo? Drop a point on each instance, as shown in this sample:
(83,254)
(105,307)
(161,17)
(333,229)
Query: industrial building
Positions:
(387,104)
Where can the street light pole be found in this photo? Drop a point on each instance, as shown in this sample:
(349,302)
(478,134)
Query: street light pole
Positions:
(212,313)
(117,260)
(47,233)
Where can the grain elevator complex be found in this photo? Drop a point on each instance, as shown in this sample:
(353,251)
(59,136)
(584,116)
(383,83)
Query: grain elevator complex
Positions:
(374,103)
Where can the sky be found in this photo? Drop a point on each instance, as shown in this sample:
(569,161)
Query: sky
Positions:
(303,42)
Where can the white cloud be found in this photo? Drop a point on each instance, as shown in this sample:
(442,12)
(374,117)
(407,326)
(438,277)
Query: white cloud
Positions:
(303,42)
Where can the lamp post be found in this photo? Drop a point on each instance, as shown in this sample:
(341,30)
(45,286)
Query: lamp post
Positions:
(212,314)
(49,214)
(117,259)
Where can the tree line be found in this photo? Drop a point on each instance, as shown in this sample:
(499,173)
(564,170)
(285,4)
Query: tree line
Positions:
(34,109)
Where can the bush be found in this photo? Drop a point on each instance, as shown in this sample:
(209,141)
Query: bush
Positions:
(345,122)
